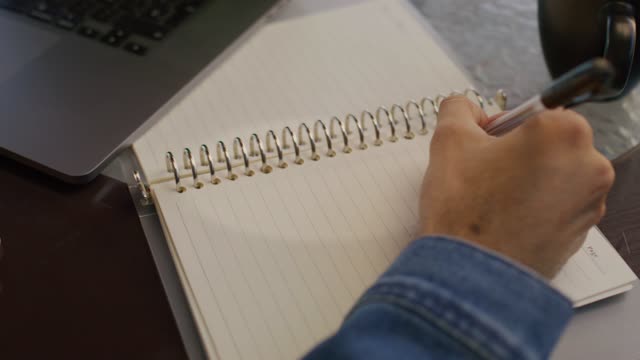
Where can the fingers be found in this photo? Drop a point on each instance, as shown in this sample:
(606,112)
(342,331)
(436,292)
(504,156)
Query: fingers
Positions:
(494,117)
(459,111)
(591,215)
(601,176)
(563,128)
(563,139)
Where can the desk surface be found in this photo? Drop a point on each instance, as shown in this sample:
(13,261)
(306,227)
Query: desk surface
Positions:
(476,31)
(77,279)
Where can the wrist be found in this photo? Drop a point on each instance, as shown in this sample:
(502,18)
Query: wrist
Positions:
(531,261)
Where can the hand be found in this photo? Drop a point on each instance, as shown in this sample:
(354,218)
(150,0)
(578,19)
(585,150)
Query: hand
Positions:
(530,195)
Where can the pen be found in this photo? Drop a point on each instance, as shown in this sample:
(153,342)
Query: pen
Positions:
(583,83)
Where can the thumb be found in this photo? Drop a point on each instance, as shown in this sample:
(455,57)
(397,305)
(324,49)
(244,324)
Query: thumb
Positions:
(460,112)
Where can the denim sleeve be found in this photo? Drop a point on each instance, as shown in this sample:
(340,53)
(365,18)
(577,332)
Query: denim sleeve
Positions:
(447,299)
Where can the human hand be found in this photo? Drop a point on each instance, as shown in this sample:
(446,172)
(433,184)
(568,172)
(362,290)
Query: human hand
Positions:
(530,195)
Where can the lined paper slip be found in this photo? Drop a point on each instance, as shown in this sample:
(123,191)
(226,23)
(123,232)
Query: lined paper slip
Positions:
(275,242)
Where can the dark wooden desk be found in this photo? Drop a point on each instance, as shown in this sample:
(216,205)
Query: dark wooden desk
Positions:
(77,279)
(621,224)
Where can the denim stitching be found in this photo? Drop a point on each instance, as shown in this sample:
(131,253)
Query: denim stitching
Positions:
(433,310)
(417,296)
(418,249)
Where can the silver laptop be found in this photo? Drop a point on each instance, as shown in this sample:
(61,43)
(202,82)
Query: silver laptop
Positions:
(79,79)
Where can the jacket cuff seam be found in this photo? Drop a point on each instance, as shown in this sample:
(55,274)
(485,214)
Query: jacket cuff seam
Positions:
(493,258)
(453,318)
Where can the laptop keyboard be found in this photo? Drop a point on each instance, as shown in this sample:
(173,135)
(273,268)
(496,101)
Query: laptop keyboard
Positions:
(116,23)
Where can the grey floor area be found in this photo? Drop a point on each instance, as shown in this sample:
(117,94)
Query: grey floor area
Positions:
(497,41)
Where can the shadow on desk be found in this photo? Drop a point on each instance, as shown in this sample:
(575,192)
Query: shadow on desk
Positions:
(77,279)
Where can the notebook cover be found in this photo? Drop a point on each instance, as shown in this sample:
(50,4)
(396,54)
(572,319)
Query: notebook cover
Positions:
(77,279)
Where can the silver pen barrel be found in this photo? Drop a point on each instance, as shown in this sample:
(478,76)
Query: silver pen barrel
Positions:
(515,117)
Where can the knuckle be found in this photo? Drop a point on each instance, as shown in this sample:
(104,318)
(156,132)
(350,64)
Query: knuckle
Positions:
(602,210)
(454,100)
(538,125)
(565,126)
(576,129)
(605,174)
(449,104)
(598,213)
(458,108)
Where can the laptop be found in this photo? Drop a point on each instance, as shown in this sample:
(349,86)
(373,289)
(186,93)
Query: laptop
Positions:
(81,79)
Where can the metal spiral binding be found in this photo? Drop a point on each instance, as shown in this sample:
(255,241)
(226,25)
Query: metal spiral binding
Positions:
(287,130)
(143,188)
(237,144)
(172,167)
(317,138)
(412,104)
(275,147)
(501,99)
(345,137)
(271,135)
(390,120)
(376,126)
(312,141)
(479,99)
(265,168)
(363,144)
(408,134)
(439,99)
(223,156)
(431,102)
(206,160)
(190,164)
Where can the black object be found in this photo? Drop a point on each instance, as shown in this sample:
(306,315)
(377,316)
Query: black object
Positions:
(574,31)
(586,82)
(152,19)
(135,48)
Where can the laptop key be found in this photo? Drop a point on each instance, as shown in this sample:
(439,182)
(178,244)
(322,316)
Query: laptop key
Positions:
(119,33)
(88,32)
(135,48)
(66,24)
(106,14)
(115,37)
(111,40)
(41,15)
(178,16)
(67,19)
(144,28)
(158,12)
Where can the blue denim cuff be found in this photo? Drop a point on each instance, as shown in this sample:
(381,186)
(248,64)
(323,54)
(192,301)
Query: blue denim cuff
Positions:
(495,308)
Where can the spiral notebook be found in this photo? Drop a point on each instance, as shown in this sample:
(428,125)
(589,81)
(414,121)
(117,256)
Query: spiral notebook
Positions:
(275,233)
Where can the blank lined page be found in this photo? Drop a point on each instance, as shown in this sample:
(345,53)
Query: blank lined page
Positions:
(275,261)
(332,63)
